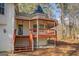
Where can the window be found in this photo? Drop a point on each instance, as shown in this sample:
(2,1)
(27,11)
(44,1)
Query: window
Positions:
(1,8)
(34,26)
(20,29)
(41,26)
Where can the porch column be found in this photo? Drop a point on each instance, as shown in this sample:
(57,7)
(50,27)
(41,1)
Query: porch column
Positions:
(44,25)
(32,36)
(37,32)
(55,34)
(29,24)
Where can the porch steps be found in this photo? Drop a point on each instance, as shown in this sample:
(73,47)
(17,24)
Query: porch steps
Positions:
(21,49)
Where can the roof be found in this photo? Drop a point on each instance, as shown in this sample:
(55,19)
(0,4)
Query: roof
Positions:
(39,10)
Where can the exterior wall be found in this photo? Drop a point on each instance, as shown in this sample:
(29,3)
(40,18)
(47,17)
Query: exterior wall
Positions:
(7,23)
(26,28)
(3,19)
(3,37)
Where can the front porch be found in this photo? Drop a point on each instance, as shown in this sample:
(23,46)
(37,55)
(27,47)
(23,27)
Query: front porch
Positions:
(33,34)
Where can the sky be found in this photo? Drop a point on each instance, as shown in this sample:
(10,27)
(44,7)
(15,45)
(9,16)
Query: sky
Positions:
(56,11)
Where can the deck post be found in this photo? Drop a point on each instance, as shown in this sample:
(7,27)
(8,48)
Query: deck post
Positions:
(37,32)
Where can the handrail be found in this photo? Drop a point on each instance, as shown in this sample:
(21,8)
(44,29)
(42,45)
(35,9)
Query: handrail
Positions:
(44,31)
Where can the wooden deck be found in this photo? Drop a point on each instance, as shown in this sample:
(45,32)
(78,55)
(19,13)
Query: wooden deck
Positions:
(31,36)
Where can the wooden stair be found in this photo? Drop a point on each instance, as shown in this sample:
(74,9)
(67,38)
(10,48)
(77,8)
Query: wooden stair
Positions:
(22,49)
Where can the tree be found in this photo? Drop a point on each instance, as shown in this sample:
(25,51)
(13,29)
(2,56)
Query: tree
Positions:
(63,7)
(70,11)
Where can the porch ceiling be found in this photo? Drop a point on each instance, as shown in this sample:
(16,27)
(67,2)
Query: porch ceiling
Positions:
(47,21)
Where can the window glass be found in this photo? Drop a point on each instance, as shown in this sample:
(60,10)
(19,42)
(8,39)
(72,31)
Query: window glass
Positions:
(20,29)
(1,8)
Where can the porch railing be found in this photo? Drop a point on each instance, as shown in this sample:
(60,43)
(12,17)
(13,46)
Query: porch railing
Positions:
(44,31)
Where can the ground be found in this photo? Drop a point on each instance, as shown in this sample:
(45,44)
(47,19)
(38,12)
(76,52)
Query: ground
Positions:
(63,48)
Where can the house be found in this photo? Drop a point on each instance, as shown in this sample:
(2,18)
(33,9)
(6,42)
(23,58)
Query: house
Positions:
(26,33)
(7,16)
(34,32)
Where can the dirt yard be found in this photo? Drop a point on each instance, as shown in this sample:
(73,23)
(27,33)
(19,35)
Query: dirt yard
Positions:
(62,49)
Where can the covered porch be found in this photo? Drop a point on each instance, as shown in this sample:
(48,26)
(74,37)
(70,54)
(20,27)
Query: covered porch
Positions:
(34,33)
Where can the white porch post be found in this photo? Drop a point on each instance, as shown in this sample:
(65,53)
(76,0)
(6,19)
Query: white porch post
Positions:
(37,32)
